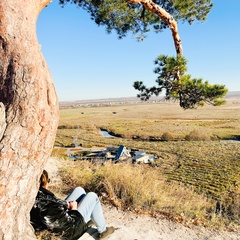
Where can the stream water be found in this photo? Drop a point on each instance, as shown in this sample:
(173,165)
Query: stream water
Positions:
(105,133)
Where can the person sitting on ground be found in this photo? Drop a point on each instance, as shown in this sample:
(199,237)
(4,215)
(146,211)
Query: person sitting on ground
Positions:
(67,218)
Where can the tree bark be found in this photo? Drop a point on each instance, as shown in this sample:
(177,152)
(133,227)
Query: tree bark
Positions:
(166,17)
(28,115)
(29,110)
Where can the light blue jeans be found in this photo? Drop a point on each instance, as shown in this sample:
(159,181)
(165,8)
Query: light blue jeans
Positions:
(89,206)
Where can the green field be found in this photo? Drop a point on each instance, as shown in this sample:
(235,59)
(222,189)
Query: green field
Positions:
(151,120)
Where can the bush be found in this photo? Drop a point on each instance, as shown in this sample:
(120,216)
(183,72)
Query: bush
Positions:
(229,206)
(197,135)
(67,126)
(167,137)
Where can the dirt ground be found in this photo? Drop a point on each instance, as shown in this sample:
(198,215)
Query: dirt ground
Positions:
(140,227)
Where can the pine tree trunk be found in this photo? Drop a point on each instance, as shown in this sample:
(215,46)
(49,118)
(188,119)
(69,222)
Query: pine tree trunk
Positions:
(28,115)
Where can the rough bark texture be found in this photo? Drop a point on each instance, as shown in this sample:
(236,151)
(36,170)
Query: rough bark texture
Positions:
(29,111)
(166,17)
(28,115)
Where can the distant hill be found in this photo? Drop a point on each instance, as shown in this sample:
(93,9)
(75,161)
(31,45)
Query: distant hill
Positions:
(102,101)
(126,100)
(233,94)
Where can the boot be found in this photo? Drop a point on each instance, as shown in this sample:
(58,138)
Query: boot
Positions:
(106,233)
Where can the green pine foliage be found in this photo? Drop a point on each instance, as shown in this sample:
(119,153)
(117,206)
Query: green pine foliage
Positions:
(191,92)
(125,17)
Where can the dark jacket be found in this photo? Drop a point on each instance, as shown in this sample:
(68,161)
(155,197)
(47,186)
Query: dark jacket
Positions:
(52,213)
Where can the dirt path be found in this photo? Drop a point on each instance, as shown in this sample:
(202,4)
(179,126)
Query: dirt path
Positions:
(138,227)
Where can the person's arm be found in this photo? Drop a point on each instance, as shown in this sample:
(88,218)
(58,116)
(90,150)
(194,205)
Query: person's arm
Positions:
(73,205)
(55,215)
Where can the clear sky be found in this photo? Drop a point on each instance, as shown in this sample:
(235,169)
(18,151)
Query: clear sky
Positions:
(87,63)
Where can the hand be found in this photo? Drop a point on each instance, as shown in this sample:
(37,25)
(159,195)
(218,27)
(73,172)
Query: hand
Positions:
(73,205)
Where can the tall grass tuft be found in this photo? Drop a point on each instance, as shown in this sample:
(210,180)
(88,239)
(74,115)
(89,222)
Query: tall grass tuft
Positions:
(137,188)
(197,135)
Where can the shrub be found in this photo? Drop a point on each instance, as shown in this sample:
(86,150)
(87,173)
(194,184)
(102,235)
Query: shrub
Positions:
(230,206)
(197,135)
(167,137)
(67,126)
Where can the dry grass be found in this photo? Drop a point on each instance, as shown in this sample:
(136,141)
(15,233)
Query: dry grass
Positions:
(139,188)
(189,171)
(46,235)
(144,121)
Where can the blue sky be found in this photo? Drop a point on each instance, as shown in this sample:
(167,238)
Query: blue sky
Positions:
(87,63)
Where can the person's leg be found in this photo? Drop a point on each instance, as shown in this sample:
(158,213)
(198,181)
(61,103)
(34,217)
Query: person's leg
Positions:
(76,195)
(90,208)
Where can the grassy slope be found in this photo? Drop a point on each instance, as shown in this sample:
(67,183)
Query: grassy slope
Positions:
(211,167)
